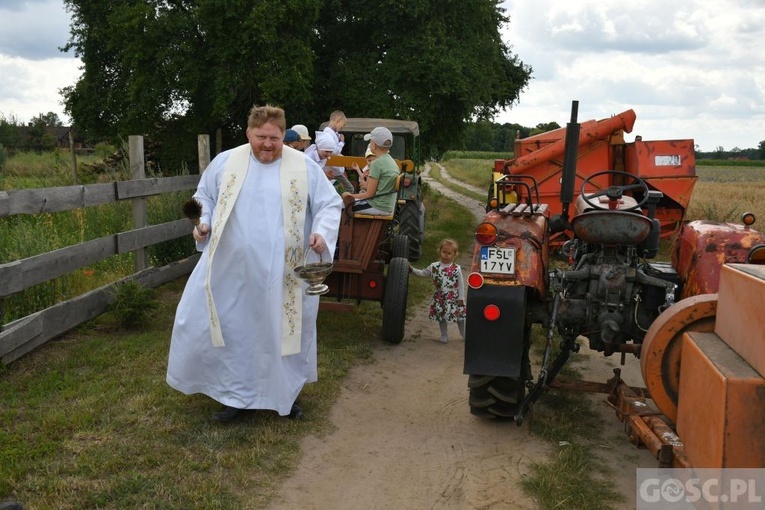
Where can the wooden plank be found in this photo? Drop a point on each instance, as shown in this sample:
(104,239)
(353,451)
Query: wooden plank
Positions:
(63,198)
(61,318)
(155,186)
(334,306)
(348,161)
(143,237)
(155,277)
(347,266)
(28,333)
(19,332)
(22,274)
(5,204)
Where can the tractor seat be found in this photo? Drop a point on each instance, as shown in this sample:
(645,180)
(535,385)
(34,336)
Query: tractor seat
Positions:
(611,227)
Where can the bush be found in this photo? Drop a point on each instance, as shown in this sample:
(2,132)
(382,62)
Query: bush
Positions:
(3,157)
(133,305)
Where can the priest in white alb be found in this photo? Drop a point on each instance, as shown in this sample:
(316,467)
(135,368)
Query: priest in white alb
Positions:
(245,330)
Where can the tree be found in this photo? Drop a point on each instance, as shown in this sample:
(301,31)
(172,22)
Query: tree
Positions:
(761,149)
(195,66)
(49,119)
(199,65)
(544,127)
(9,131)
(39,138)
(440,63)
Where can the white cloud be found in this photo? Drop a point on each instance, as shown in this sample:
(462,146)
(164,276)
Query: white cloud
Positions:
(31,88)
(689,70)
(31,65)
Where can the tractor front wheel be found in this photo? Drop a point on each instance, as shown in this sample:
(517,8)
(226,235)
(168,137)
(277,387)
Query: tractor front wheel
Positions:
(394,301)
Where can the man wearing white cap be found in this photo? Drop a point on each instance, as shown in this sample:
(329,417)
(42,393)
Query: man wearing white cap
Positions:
(305,138)
(380,196)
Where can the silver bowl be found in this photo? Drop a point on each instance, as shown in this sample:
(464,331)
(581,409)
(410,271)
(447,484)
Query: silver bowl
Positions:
(314,274)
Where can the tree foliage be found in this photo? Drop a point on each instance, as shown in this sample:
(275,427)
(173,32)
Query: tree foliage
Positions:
(196,66)
(9,133)
(49,119)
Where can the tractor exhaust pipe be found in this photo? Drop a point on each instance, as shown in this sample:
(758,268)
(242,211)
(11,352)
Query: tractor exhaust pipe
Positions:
(570,155)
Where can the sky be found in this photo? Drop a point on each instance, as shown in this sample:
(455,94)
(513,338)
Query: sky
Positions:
(692,69)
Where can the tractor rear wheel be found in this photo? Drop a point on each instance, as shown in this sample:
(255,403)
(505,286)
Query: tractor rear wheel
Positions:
(394,301)
(501,397)
(411,223)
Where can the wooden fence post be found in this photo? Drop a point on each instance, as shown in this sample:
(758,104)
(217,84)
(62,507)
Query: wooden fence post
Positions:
(203,152)
(138,171)
(74,156)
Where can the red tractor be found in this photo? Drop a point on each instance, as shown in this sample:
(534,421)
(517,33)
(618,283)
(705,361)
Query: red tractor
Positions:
(608,291)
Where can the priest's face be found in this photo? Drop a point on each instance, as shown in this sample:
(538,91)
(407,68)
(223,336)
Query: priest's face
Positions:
(266,142)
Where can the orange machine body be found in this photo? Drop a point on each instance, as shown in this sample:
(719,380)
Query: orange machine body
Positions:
(668,166)
(701,249)
(721,405)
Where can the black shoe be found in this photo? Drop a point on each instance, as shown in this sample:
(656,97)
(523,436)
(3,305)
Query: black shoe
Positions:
(296,413)
(227,414)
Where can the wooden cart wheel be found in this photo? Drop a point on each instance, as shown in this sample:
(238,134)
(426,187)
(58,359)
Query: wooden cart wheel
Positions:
(662,347)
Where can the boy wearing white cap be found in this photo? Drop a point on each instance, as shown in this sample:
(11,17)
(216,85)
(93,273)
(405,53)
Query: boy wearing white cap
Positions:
(380,196)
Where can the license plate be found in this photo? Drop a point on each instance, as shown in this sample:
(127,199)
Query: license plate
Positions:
(497,260)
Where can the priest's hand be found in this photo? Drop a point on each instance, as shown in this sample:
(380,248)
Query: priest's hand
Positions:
(317,243)
(200,232)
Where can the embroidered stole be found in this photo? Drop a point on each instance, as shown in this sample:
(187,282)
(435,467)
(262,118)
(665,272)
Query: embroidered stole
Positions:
(293,180)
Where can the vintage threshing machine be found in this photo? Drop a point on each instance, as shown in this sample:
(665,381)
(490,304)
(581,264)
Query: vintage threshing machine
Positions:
(608,292)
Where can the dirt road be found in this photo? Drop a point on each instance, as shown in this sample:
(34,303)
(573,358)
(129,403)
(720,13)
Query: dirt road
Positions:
(404,437)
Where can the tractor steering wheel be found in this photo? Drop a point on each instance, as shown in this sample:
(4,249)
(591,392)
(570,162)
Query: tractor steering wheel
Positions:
(615,192)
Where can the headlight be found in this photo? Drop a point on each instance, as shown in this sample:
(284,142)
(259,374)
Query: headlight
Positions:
(756,255)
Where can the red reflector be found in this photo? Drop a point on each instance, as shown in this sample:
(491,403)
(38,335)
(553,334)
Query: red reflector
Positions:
(491,312)
(475,280)
(372,284)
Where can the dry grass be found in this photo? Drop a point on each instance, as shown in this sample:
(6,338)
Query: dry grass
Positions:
(725,193)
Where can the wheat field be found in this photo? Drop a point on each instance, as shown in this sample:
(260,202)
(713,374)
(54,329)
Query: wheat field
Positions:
(725,193)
